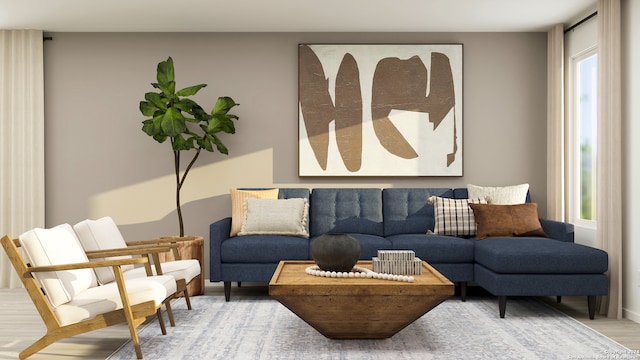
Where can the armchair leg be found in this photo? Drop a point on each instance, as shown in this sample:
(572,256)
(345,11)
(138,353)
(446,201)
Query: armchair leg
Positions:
(227,290)
(163,328)
(187,299)
(502,305)
(170,313)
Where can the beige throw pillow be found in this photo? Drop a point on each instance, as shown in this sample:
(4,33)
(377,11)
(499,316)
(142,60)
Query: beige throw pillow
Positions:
(505,195)
(238,199)
(276,217)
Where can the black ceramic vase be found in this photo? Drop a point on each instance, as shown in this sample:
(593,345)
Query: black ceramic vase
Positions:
(335,252)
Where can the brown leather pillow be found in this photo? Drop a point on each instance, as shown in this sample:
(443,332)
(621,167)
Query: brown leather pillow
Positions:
(507,220)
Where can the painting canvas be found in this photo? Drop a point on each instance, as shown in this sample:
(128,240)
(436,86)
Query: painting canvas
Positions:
(380,110)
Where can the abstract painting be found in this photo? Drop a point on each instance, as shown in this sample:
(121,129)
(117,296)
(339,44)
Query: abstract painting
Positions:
(380,110)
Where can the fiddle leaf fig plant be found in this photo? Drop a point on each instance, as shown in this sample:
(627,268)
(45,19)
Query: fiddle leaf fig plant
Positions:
(173,115)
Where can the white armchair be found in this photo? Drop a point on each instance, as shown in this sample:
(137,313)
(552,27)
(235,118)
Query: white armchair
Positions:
(103,234)
(62,284)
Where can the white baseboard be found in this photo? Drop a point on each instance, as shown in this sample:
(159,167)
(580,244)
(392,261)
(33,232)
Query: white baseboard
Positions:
(631,315)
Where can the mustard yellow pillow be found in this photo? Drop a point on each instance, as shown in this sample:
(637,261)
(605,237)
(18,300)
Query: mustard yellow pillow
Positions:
(238,198)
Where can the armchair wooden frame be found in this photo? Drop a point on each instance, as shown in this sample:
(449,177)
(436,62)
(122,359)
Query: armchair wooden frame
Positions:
(133,315)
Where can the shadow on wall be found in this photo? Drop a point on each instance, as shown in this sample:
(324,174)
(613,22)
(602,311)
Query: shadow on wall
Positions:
(198,215)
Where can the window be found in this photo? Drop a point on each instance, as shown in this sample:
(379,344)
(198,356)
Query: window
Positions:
(584,131)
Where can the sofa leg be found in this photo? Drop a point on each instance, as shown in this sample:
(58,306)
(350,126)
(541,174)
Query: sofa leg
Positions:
(463,291)
(227,290)
(558,299)
(591,304)
(502,305)
(239,284)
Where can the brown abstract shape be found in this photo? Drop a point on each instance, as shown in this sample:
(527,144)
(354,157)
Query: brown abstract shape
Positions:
(316,104)
(402,85)
(397,84)
(349,113)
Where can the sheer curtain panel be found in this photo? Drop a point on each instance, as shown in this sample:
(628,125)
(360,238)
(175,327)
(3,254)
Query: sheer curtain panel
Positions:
(555,123)
(609,163)
(21,138)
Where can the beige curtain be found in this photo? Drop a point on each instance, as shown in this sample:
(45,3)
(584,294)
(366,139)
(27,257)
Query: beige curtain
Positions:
(555,124)
(609,163)
(21,138)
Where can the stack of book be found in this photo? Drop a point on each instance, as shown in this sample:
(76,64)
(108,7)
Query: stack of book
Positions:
(397,262)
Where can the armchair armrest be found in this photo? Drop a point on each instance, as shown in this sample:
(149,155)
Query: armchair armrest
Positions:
(218,233)
(147,251)
(166,241)
(89,265)
(558,230)
(138,250)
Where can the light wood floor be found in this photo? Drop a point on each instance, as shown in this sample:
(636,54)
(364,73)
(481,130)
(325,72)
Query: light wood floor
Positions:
(20,325)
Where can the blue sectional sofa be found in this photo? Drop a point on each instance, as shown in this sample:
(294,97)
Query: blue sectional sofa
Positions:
(399,218)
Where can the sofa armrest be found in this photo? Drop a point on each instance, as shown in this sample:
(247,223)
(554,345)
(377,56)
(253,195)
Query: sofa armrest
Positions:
(558,230)
(218,233)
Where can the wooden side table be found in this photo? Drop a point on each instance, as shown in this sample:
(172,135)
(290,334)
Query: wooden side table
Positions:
(190,249)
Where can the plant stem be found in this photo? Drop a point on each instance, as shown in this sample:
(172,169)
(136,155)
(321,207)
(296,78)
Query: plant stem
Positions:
(180,182)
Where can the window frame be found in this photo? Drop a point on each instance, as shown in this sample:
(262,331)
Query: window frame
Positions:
(573,141)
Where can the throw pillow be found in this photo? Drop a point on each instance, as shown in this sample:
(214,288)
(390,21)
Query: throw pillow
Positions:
(276,217)
(507,220)
(506,195)
(453,216)
(238,198)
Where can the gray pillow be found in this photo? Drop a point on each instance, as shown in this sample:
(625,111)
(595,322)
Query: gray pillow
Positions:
(276,217)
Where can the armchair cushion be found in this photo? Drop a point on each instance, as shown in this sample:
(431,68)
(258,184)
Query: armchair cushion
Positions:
(102,234)
(58,246)
(102,299)
(179,269)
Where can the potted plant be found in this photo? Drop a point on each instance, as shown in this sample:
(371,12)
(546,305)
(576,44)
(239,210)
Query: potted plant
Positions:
(173,115)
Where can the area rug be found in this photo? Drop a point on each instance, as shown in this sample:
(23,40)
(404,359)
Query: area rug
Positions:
(258,327)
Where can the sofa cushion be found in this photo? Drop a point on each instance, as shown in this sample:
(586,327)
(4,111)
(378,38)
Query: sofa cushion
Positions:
(238,198)
(436,249)
(264,249)
(357,210)
(276,217)
(454,216)
(507,220)
(534,255)
(406,210)
(505,195)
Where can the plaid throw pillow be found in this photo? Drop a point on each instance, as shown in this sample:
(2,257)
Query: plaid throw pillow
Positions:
(454,217)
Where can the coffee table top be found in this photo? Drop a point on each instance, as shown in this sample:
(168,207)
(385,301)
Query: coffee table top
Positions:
(290,278)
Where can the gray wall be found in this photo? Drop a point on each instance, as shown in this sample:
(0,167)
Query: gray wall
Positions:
(98,161)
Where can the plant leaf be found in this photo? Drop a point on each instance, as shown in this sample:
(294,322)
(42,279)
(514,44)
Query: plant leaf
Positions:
(223,105)
(147,108)
(156,99)
(166,72)
(173,123)
(191,90)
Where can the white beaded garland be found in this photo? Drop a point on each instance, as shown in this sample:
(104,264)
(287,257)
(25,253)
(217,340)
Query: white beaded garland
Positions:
(357,272)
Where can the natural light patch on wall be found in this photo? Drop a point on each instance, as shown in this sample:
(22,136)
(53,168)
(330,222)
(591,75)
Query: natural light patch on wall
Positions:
(139,203)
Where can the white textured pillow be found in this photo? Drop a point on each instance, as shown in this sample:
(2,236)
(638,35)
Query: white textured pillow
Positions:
(276,217)
(454,217)
(506,195)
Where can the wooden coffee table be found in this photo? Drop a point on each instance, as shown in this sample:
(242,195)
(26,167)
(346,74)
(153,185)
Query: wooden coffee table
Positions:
(357,308)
